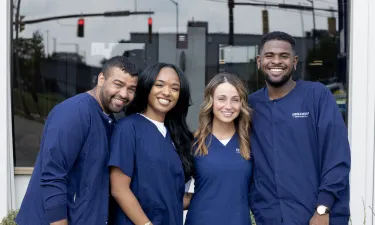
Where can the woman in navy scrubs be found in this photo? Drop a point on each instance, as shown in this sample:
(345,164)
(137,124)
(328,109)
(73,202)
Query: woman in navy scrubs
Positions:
(223,169)
(151,150)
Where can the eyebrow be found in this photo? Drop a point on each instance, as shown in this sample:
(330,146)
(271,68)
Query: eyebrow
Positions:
(281,53)
(116,80)
(162,81)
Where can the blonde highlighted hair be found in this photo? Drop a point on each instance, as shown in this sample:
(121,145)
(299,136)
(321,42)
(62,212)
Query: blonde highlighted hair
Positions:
(242,122)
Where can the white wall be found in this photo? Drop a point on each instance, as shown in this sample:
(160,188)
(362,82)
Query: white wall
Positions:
(362,109)
(20,183)
(6,153)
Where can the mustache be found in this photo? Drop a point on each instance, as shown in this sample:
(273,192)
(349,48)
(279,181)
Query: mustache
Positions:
(126,100)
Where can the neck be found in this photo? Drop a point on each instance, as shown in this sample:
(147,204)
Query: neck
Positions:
(160,117)
(95,93)
(279,92)
(223,130)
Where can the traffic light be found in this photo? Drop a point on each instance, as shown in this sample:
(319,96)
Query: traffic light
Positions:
(149,30)
(265,21)
(81,28)
(332,26)
(21,24)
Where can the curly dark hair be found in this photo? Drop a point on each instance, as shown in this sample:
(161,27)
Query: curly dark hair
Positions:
(121,62)
(278,35)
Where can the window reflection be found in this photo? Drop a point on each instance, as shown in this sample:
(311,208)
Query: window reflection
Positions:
(56,59)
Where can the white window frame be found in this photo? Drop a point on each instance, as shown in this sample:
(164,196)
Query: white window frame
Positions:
(361,115)
(6,149)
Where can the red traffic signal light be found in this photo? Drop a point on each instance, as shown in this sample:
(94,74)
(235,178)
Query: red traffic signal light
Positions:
(81,28)
(149,30)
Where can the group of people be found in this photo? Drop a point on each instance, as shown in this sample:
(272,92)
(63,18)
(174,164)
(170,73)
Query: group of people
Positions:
(281,152)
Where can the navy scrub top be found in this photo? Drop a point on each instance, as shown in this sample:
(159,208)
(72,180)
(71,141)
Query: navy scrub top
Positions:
(222,183)
(151,161)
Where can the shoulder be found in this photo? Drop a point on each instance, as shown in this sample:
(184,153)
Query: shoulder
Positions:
(256,96)
(130,122)
(76,109)
(313,87)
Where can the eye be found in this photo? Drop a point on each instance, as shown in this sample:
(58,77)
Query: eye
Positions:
(158,85)
(284,56)
(131,90)
(175,89)
(117,85)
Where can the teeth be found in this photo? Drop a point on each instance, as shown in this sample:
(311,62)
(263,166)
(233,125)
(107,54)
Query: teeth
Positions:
(227,113)
(119,101)
(276,70)
(163,101)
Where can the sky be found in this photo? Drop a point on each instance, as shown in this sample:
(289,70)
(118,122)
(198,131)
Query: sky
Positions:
(101,31)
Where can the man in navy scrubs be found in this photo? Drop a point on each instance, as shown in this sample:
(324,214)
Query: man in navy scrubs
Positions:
(70,181)
(299,143)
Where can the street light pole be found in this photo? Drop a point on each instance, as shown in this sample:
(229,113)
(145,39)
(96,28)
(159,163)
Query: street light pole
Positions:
(313,14)
(176,4)
(177,15)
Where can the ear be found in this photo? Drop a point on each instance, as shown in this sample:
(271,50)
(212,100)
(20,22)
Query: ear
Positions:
(295,62)
(258,61)
(101,80)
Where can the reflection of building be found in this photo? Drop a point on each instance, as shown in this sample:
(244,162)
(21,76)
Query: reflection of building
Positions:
(163,47)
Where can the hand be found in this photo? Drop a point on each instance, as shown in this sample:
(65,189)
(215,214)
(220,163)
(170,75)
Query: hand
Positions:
(61,222)
(319,219)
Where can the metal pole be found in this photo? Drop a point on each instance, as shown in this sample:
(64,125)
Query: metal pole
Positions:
(314,27)
(303,46)
(47,47)
(177,15)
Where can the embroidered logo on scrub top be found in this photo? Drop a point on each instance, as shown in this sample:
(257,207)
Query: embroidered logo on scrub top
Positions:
(300,114)
(237,150)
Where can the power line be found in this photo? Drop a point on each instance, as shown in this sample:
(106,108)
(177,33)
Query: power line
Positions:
(272,6)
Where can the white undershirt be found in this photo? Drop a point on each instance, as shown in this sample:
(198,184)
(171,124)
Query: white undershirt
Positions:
(161,127)
(225,141)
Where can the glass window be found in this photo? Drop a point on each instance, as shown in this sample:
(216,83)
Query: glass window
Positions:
(60,46)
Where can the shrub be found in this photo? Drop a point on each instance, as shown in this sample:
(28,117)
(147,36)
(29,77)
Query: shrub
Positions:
(9,219)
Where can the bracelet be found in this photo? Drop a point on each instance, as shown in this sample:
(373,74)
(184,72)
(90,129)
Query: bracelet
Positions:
(148,223)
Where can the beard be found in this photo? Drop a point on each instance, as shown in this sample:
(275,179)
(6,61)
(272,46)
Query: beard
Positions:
(279,83)
(106,98)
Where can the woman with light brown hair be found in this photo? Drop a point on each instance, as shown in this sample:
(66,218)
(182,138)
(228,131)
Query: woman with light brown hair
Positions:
(223,166)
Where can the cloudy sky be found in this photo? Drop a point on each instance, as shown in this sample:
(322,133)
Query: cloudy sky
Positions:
(110,30)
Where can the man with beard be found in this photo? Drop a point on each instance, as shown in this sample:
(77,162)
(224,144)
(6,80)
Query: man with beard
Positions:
(70,181)
(299,143)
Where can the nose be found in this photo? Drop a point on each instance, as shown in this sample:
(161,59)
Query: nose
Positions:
(276,59)
(166,90)
(123,93)
(228,105)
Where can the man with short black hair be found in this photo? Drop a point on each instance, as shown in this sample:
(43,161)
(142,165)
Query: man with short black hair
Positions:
(299,143)
(70,181)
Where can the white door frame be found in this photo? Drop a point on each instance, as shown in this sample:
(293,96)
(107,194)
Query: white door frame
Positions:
(362,109)
(6,148)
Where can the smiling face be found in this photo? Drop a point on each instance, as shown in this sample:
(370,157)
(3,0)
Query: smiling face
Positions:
(163,95)
(117,89)
(226,103)
(276,62)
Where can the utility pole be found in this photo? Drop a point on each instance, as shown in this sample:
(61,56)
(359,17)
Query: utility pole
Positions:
(231,21)
(177,36)
(313,14)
